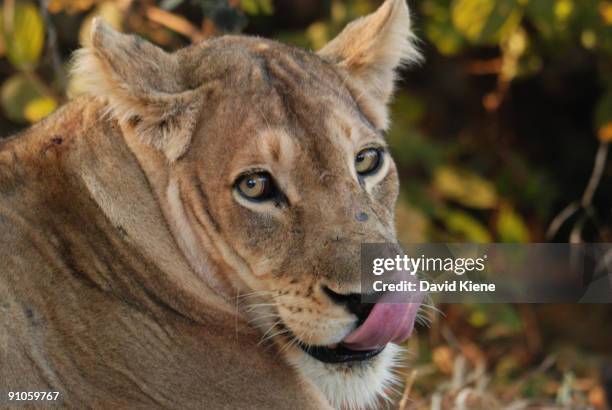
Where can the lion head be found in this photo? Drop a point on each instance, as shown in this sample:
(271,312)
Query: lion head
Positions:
(272,170)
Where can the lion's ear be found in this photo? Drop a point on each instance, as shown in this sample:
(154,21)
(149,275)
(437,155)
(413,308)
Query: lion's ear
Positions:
(372,48)
(143,85)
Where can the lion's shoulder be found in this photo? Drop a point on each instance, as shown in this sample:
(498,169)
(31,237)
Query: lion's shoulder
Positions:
(38,153)
(69,122)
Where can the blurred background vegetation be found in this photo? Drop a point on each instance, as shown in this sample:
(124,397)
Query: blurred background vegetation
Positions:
(501,135)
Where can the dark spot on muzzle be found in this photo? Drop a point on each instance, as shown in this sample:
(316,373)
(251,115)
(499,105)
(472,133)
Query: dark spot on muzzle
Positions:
(362,217)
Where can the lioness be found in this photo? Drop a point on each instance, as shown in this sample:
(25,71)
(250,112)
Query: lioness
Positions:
(188,234)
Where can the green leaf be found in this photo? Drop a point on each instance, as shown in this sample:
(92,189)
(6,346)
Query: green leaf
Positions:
(255,7)
(444,35)
(439,27)
(465,187)
(478,318)
(15,95)
(39,108)
(466,226)
(510,226)
(318,34)
(485,21)
(24,35)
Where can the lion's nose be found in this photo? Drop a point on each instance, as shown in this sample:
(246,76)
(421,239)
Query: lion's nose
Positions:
(352,302)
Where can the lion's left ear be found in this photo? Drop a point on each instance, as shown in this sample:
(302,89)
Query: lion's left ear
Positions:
(143,85)
(373,47)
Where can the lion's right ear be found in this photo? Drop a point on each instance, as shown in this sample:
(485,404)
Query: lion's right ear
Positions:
(371,49)
(143,86)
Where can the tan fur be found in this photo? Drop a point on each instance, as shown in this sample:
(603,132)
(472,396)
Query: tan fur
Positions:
(134,275)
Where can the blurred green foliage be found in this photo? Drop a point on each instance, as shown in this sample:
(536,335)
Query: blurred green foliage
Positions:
(22,35)
(460,183)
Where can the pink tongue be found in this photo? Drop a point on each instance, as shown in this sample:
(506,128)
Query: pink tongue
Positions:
(387,322)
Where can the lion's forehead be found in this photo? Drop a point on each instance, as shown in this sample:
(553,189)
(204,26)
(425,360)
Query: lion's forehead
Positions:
(241,52)
(248,65)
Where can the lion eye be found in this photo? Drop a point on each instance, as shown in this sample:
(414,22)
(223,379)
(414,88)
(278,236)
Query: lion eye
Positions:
(368,161)
(257,186)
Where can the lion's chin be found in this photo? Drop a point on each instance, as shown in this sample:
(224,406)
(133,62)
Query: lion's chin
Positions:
(351,384)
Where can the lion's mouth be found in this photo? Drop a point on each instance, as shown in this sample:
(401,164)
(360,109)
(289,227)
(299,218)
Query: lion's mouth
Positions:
(339,353)
(335,353)
(385,322)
